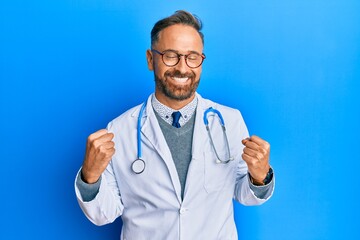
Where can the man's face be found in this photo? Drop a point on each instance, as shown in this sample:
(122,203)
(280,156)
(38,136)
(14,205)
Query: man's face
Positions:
(180,81)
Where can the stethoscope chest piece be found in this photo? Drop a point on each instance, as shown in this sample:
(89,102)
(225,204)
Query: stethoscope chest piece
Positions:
(138,166)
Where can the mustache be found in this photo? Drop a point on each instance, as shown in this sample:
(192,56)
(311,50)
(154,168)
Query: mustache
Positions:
(178,74)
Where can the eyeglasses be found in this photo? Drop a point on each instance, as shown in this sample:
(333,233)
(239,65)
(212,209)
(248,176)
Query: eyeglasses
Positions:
(170,58)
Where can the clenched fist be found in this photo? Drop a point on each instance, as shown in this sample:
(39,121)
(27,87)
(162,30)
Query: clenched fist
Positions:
(99,151)
(256,155)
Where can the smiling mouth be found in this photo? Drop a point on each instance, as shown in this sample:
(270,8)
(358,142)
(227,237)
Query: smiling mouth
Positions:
(180,79)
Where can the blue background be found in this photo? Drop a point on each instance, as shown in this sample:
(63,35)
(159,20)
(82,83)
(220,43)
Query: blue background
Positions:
(292,67)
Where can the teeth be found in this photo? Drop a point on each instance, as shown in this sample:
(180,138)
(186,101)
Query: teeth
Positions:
(182,80)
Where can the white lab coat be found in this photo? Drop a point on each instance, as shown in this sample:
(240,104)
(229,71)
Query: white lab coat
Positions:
(150,203)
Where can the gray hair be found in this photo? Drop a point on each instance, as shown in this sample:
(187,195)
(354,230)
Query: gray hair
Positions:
(179,17)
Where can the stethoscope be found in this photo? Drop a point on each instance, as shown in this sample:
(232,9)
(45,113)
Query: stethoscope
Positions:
(138,165)
(206,122)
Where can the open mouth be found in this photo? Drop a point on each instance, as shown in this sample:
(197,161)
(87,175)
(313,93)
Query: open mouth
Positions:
(180,79)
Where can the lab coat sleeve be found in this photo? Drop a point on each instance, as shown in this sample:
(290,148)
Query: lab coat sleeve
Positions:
(263,192)
(243,192)
(107,205)
(88,191)
(243,189)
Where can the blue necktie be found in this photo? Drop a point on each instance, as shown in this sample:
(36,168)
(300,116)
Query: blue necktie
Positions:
(176,116)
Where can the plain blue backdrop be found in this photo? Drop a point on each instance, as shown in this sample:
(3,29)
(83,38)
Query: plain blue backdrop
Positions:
(68,67)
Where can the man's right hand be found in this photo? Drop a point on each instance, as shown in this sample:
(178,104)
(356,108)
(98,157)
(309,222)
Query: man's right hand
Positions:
(99,151)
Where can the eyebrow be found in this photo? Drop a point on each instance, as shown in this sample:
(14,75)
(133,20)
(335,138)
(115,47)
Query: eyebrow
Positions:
(189,52)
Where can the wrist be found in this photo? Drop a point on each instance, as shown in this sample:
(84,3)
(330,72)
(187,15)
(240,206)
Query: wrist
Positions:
(88,180)
(264,181)
(256,182)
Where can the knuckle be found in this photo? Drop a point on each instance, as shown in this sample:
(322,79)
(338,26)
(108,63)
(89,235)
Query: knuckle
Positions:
(96,143)
(262,151)
(102,149)
(108,151)
(90,138)
(266,153)
(252,163)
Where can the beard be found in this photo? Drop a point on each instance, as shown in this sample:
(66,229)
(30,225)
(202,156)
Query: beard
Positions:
(177,92)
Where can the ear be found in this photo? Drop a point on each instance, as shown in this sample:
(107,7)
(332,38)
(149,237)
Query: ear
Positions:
(149,59)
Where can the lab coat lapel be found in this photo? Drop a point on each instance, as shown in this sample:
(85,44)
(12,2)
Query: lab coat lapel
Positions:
(199,145)
(152,131)
(200,133)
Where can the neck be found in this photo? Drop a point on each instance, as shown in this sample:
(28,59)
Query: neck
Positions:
(172,103)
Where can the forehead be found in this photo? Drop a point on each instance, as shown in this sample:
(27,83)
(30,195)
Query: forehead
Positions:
(181,38)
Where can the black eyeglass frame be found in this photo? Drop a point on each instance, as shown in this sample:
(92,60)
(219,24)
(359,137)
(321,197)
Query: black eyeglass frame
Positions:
(179,56)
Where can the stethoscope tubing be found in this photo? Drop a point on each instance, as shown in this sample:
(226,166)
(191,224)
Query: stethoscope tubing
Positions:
(222,122)
(217,112)
(139,155)
(138,165)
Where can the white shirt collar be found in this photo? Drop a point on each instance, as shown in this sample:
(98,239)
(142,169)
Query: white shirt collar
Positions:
(165,111)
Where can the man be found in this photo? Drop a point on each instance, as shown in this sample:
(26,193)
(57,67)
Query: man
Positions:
(158,166)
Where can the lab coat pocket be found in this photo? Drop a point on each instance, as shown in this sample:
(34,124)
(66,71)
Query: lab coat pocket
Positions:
(217,175)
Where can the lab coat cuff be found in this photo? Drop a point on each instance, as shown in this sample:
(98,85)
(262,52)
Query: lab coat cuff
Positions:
(87,191)
(263,191)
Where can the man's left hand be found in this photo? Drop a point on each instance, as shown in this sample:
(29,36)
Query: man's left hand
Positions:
(256,155)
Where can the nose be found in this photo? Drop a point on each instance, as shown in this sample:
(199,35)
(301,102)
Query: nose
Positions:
(182,66)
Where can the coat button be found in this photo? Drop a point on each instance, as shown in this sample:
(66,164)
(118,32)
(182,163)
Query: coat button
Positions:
(182,210)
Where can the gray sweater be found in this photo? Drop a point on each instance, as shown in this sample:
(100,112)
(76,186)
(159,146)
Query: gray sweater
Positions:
(179,141)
